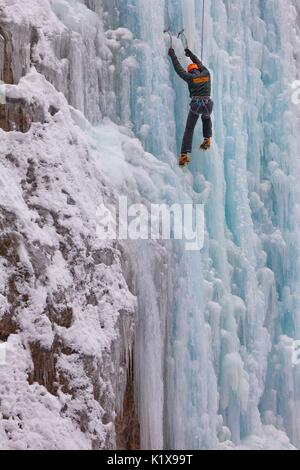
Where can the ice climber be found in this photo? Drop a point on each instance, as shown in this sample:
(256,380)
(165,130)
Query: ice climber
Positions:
(199,82)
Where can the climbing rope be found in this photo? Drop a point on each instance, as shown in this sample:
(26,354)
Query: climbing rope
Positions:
(203,19)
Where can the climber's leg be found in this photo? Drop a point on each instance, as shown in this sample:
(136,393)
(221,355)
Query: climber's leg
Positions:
(187,143)
(207,126)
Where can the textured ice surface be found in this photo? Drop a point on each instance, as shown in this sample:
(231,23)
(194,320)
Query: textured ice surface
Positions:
(228,307)
(214,338)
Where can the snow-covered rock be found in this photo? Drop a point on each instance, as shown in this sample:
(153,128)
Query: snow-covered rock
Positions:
(67,314)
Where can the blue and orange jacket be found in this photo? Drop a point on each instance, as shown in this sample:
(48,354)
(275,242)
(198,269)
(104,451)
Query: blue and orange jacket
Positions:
(199,81)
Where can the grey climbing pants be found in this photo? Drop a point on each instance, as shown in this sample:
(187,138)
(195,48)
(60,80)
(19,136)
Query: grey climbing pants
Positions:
(203,107)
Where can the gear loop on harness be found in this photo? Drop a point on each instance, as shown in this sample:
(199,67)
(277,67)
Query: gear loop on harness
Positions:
(201,103)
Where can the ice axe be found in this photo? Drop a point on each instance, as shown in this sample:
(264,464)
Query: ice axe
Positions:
(184,38)
(167,31)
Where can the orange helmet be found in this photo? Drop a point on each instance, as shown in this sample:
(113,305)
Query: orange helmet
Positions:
(192,67)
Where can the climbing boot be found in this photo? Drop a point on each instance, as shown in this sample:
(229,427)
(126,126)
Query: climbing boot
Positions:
(206,144)
(184,159)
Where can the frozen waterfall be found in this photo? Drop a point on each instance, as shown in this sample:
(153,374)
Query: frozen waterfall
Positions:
(214,343)
(216,328)
(232,311)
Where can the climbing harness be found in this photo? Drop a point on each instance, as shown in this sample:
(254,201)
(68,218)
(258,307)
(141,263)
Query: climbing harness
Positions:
(201,103)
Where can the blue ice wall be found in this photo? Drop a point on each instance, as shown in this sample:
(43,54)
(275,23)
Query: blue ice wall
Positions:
(233,310)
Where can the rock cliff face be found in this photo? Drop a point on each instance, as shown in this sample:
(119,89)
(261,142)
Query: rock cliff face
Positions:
(67,314)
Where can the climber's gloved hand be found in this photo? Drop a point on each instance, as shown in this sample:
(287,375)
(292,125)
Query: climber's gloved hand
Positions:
(187,52)
(171,51)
